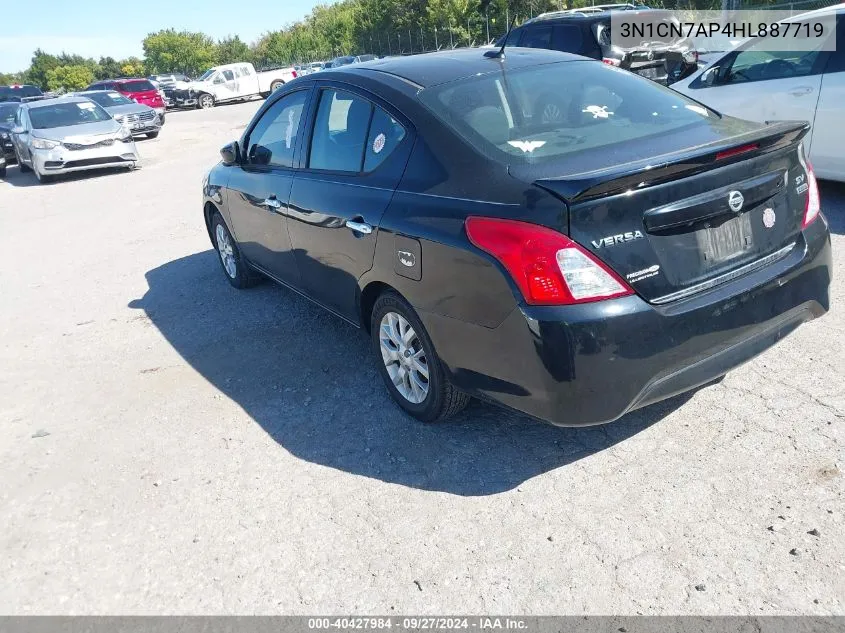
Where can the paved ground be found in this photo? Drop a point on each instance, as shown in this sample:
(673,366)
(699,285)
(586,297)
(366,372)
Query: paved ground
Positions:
(170,444)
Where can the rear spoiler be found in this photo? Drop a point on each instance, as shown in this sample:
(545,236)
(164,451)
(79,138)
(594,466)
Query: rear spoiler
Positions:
(644,173)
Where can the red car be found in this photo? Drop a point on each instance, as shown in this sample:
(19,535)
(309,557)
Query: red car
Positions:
(140,90)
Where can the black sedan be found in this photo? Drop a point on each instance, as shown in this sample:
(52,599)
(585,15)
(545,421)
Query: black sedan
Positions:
(7,122)
(636,247)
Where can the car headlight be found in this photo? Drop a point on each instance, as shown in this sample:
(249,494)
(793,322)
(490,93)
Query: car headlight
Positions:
(124,135)
(43,143)
(5,136)
(119,118)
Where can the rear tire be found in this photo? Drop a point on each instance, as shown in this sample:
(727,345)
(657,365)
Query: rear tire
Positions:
(409,366)
(276,85)
(234,267)
(3,171)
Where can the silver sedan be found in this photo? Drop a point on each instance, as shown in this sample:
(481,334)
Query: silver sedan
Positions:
(57,136)
(142,120)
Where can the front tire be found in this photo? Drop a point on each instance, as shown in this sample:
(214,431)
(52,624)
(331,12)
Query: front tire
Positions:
(152,134)
(234,266)
(22,167)
(409,366)
(43,178)
(205,102)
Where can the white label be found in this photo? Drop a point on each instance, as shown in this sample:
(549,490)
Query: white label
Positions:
(378,143)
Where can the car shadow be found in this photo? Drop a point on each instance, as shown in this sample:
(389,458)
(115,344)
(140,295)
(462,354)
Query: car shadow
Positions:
(311,382)
(17,178)
(833,204)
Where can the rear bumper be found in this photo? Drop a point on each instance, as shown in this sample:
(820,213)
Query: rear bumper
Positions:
(593,363)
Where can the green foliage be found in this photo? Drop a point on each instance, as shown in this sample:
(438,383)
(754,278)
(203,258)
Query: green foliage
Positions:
(231,50)
(182,51)
(68,78)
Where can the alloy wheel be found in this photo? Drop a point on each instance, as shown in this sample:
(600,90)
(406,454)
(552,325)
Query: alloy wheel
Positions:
(206,101)
(226,251)
(404,357)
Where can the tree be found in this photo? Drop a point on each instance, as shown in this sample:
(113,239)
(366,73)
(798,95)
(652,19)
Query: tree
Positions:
(109,68)
(42,63)
(231,50)
(185,52)
(132,67)
(69,77)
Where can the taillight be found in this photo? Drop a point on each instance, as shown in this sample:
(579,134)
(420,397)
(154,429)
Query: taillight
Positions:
(548,267)
(611,62)
(814,205)
(293,72)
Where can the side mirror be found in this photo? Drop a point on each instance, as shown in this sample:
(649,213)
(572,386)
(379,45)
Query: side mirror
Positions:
(259,155)
(18,130)
(231,154)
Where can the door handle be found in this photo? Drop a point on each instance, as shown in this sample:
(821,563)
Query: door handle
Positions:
(272,203)
(801,91)
(359,227)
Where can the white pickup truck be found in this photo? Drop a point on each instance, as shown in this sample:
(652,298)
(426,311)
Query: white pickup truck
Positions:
(232,82)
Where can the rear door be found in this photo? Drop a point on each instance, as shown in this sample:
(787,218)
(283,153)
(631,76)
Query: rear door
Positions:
(259,188)
(356,156)
(827,152)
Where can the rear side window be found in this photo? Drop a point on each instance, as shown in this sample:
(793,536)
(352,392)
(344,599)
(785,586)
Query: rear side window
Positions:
(385,135)
(537,37)
(228,75)
(141,85)
(567,38)
(340,132)
(272,141)
(549,111)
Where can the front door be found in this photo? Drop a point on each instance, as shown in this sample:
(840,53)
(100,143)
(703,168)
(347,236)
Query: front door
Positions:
(342,191)
(259,188)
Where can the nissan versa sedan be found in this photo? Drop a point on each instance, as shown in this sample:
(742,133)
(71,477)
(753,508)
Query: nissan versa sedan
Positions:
(58,136)
(576,269)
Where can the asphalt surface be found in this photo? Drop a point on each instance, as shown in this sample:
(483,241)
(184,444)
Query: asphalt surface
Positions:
(172,445)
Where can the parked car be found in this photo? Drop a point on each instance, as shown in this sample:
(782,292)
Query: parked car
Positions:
(169,82)
(140,119)
(20,93)
(7,122)
(574,270)
(586,32)
(139,90)
(232,82)
(754,83)
(57,136)
(315,67)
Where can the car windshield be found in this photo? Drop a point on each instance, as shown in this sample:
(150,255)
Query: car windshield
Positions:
(342,61)
(208,73)
(65,114)
(109,99)
(545,112)
(141,85)
(7,112)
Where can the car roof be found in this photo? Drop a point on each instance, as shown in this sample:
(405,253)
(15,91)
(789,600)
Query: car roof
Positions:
(834,8)
(48,102)
(430,69)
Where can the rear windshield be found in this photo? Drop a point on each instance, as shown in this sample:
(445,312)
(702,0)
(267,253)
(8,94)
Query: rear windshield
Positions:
(546,112)
(8,112)
(20,91)
(63,114)
(109,99)
(141,85)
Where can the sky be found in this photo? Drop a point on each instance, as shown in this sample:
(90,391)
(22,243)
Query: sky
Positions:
(92,28)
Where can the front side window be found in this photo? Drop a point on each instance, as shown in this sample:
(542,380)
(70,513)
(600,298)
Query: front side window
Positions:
(545,112)
(755,63)
(340,132)
(66,114)
(272,141)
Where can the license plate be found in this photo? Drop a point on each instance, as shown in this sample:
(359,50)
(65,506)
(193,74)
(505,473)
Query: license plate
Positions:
(721,243)
(139,126)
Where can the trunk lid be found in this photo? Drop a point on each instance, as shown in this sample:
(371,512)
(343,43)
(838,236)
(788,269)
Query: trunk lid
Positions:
(674,226)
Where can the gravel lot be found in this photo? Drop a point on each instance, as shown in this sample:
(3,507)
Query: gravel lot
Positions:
(172,445)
